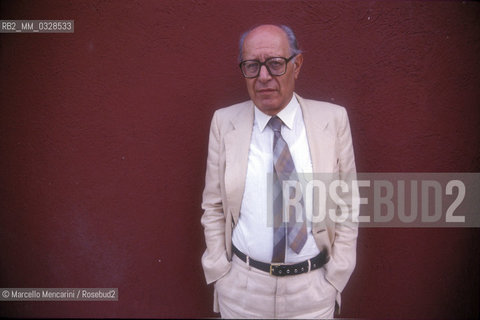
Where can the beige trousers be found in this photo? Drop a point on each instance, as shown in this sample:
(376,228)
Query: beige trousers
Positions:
(246,292)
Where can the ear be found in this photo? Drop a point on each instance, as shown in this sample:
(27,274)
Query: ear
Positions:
(297,65)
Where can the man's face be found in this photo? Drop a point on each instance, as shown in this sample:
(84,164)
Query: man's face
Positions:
(270,93)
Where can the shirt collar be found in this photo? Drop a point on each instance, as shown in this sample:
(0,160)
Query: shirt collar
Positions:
(287,115)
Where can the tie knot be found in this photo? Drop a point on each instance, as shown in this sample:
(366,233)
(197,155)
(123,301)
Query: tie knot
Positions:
(275,123)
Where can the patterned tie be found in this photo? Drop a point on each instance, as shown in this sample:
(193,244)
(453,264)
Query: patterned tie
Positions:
(284,169)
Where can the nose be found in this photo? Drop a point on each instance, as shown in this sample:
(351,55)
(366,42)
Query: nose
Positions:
(264,74)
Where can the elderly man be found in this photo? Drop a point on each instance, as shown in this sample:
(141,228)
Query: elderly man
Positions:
(270,258)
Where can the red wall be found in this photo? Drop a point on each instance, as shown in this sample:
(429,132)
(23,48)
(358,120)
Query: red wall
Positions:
(103,138)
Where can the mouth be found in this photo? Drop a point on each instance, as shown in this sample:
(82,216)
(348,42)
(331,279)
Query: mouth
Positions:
(266,90)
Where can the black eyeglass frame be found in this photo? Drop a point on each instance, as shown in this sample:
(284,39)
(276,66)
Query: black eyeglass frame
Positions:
(287,60)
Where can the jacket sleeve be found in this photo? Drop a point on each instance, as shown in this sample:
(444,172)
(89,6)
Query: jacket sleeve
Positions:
(343,254)
(214,260)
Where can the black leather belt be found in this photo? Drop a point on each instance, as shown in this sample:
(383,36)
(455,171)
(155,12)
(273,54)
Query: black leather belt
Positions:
(280,269)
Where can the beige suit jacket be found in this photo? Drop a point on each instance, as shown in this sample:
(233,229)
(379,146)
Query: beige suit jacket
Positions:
(330,143)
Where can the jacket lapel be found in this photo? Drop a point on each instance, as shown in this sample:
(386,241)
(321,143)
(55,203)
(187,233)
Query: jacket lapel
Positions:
(321,147)
(317,136)
(237,146)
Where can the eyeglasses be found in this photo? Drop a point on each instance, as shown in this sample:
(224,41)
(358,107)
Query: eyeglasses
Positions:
(276,66)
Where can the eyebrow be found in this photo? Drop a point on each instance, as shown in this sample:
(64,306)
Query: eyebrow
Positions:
(266,58)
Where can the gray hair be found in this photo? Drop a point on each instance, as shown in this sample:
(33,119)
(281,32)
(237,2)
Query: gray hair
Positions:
(292,41)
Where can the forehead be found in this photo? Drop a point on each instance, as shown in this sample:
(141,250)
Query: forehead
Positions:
(265,42)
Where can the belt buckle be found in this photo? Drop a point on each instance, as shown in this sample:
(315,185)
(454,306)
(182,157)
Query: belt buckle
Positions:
(274,264)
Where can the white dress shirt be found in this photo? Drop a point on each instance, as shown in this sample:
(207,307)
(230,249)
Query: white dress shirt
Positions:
(253,235)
